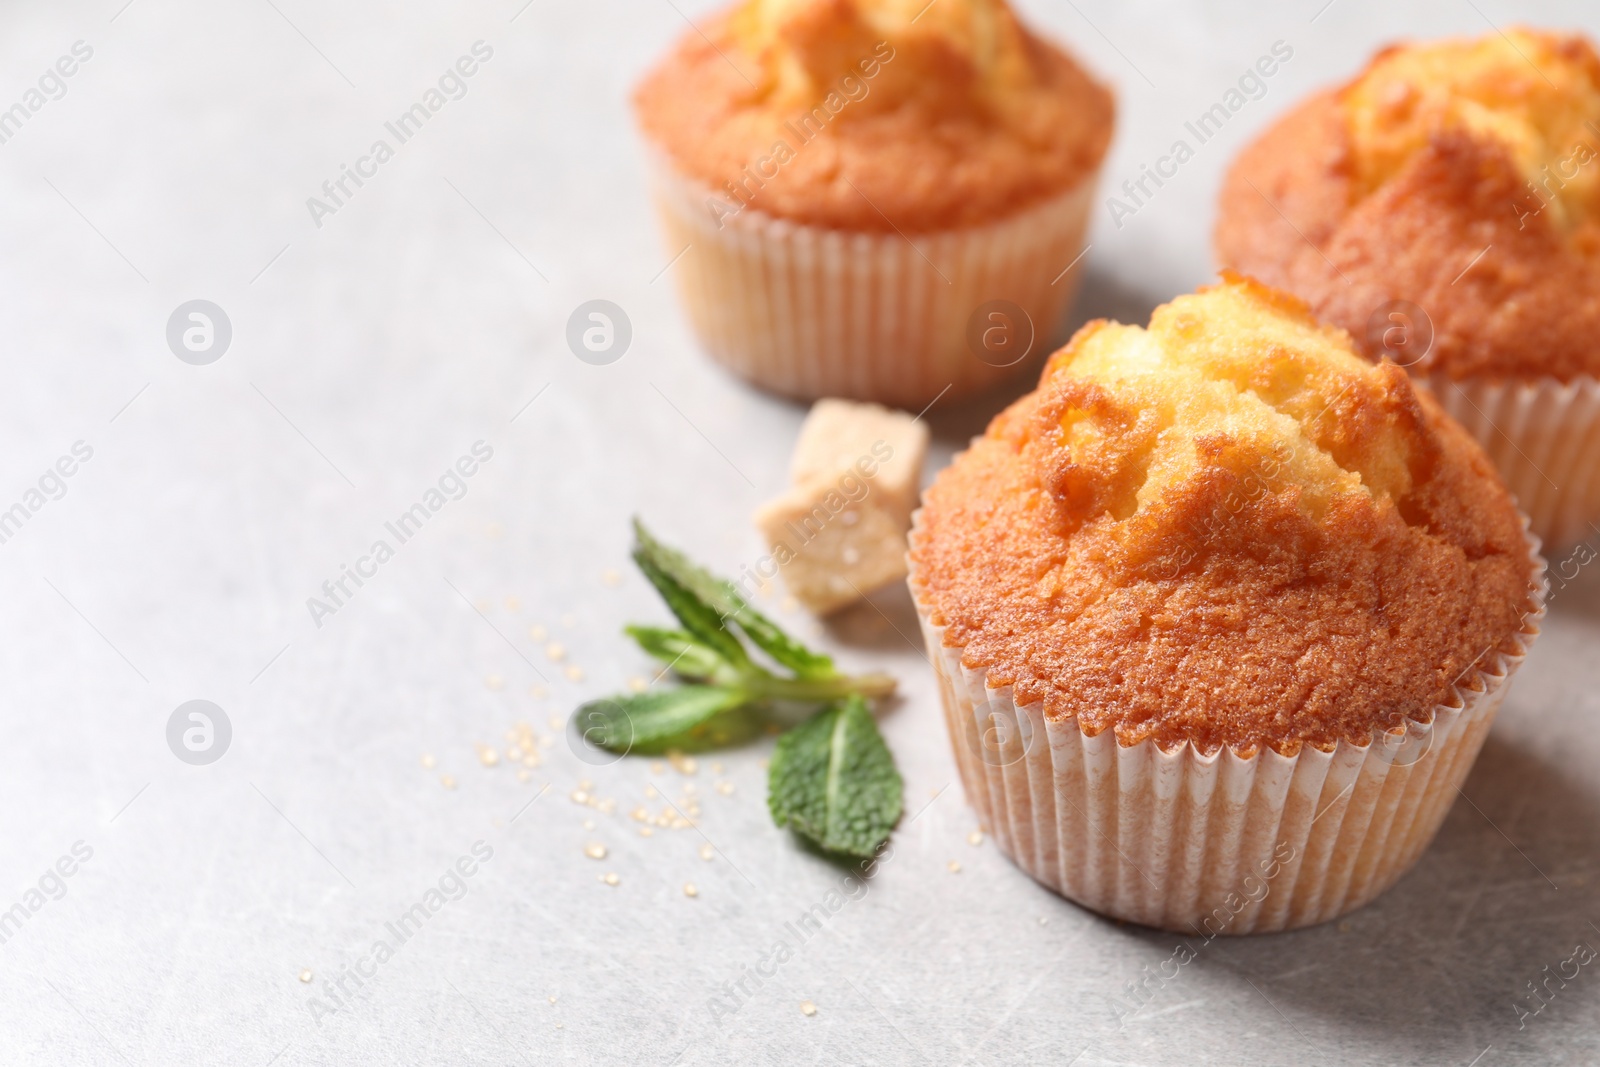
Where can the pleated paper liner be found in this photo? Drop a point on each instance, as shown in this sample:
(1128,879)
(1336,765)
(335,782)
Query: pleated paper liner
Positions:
(810,312)
(1220,843)
(1544,438)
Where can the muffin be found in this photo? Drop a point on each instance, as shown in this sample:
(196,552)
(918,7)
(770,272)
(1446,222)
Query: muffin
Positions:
(1221,614)
(852,183)
(1444,207)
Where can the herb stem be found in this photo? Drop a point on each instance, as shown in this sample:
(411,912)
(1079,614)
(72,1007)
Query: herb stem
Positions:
(873,686)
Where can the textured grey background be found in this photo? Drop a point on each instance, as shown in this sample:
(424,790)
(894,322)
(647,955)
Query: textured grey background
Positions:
(368,356)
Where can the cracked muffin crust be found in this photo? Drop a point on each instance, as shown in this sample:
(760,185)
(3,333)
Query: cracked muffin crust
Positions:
(891,113)
(1225,529)
(1462,176)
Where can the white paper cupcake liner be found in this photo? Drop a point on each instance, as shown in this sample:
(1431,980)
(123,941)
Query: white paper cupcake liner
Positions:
(1544,438)
(1220,843)
(811,312)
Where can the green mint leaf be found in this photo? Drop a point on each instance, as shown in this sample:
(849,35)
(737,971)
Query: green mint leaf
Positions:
(781,647)
(684,655)
(702,620)
(621,723)
(833,781)
(720,596)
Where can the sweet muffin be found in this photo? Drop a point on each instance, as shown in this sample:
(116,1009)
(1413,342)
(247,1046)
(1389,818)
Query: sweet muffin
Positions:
(852,180)
(1221,614)
(1444,207)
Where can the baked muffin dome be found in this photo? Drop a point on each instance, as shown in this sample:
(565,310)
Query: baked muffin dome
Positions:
(1462,176)
(1225,529)
(891,113)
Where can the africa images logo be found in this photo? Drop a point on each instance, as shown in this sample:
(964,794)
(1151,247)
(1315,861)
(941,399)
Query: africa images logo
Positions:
(451,85)
(451,486)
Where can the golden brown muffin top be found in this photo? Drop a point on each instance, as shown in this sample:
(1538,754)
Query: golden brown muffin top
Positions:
(1226,529)
(1536,95)
(1462,176)
(890,113)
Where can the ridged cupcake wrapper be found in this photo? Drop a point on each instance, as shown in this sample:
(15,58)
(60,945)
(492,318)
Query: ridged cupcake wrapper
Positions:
(1544,438)
(1220,843)
(811,312)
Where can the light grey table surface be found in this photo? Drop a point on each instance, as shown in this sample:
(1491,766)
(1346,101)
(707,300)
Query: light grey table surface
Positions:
(372,351)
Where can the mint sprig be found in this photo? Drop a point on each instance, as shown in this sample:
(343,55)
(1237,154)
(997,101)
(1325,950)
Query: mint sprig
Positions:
(832,778)
(656,559)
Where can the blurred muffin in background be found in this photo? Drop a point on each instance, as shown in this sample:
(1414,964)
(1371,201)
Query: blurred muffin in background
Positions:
(1221,615)
(1444,207)
(854,179)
